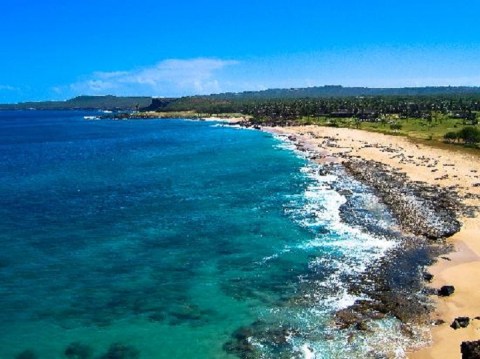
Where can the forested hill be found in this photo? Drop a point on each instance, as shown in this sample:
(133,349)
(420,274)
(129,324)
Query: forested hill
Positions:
(85,103)
(228,102)
(340,91)
(234,102)
(336,98)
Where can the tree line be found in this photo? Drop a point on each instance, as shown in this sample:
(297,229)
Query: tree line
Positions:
(468,135)
(288,111)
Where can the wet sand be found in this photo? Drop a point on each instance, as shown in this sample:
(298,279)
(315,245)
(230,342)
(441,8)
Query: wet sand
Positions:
(446,168)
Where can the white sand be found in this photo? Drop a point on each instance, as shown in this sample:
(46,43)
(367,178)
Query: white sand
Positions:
(435,166)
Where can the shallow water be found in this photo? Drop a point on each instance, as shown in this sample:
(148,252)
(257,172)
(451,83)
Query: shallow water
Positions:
(170,235)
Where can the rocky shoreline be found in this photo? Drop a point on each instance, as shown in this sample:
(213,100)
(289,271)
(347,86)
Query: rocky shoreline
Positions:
(426,214)
(397,285)
(449,287)
(421,209)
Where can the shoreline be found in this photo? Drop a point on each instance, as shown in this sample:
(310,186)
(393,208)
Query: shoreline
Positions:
(462,270)
(452,171)
(448,170)
(233,119)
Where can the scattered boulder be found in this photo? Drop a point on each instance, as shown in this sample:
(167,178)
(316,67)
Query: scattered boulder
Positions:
(420,208)
(427,276)
(446,290)
(470,350)
(460,322)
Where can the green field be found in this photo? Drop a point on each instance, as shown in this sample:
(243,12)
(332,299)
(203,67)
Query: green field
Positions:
(417,129)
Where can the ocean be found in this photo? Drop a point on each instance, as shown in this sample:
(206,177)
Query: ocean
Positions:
(179,239)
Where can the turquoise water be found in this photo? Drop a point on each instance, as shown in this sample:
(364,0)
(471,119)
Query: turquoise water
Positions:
(169,236)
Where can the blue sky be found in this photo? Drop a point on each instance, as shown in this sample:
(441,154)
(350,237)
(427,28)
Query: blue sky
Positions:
(54,49)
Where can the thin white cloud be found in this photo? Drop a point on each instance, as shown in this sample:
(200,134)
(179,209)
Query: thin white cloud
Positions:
(370,67)
(166,78)
(7,88)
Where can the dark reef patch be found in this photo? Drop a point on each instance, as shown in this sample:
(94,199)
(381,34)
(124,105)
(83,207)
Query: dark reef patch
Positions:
(121,351)
(78,350)
(27,354)
(272,338)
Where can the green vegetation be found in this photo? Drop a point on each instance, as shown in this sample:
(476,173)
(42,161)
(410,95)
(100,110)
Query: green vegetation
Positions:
(444,129)
(340,91)
(435,114)
(421,117)
(84,103)
(468,135)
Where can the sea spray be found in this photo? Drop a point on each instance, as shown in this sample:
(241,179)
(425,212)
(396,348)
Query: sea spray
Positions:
(365,231)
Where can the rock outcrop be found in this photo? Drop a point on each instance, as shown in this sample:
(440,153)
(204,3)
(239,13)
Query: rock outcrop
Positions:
(470,350)
(421,209)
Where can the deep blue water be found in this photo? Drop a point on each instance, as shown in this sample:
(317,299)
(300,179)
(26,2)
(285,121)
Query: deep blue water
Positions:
(167,236)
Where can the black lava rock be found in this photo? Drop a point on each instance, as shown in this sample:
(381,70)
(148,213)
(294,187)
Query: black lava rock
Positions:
(421,209)
(427,276)
(460,322)
(470,350)
(446,290)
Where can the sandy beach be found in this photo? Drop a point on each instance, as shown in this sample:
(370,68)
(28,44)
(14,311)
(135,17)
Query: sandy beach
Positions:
(436,166)
(228,120)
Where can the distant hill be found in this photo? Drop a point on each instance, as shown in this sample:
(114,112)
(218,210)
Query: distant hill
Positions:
(224,102)
(340,91)
(232,102)
(84,103)
(159,104)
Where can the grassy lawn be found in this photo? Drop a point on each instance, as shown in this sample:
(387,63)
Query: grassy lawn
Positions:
(419,128)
